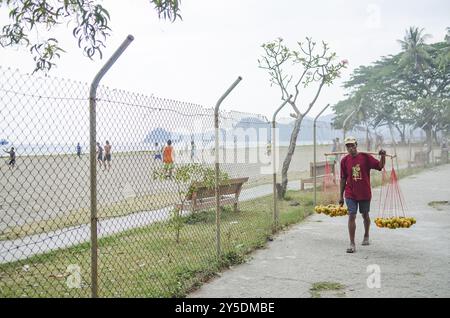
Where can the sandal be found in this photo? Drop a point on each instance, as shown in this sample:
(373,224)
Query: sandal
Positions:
(365,241)
(351,249)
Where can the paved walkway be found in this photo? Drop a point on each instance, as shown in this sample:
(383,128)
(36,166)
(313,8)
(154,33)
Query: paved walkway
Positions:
(412,262)
(22,248)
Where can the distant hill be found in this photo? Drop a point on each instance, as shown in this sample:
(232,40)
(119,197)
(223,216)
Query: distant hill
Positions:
(161,135)
(285,126)
(262,131)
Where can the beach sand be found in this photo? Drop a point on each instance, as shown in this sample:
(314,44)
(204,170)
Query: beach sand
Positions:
(46,189)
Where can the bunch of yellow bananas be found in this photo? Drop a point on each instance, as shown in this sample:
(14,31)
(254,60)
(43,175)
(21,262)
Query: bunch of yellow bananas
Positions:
(331,210)
(395,222)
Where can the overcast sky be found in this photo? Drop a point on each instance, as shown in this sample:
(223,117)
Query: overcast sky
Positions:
(196,59)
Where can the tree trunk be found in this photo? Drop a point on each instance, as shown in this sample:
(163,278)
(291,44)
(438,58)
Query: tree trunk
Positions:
(429,133)
(402,134)
(369,139)
(279,191)
(287,160)
(435,137)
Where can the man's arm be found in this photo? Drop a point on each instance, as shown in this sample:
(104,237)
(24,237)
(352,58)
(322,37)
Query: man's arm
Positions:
(343,181)
(341,192)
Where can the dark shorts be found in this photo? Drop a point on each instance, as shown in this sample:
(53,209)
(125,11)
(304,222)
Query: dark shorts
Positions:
(108,157)
(352,205)
(12,162)
(100,157)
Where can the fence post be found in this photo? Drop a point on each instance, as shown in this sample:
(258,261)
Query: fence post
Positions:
(314,167)
(216,152)
(93,161)
(349,116)
(275,210)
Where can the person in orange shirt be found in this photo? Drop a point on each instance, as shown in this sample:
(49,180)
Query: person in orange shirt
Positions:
(168,159)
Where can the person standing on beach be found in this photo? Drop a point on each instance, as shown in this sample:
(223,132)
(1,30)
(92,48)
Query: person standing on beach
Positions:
(157,152)
(168,159)
(12,158)
(193,150)
(99,154)
(78,150)
(108,154)
(334,147)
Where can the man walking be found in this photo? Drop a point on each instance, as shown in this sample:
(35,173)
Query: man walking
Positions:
(108,154)
(193,150)
(355,182)
(99,154)
(12,158)
(168,159)
(78,150)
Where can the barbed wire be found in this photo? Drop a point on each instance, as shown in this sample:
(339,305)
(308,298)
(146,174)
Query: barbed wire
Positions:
(43,97)
(149,247)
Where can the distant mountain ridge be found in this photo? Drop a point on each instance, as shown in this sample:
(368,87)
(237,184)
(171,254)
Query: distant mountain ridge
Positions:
(325,133)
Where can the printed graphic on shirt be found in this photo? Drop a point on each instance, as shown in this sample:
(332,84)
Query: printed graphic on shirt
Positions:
(356,172)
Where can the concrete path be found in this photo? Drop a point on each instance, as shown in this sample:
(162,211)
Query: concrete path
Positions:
(412,262)
(22,248)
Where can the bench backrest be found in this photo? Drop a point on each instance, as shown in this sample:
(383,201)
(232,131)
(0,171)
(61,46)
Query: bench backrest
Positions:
(320,168)
(231,186)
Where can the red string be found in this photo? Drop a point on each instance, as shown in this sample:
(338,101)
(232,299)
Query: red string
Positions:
(394,203)
(383,187)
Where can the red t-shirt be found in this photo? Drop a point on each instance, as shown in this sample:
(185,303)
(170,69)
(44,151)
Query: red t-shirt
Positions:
(356,172)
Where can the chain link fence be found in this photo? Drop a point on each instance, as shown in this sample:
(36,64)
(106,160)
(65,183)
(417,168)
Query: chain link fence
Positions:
(157,226)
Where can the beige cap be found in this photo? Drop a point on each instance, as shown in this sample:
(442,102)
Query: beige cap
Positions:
(350,140)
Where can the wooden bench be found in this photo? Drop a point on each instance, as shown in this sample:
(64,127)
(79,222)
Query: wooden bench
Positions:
(203,197)
(320,172)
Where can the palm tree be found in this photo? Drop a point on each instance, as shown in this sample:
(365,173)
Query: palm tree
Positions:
(415,50)
(444,54)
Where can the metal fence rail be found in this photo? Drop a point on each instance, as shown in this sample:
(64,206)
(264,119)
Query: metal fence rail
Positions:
(152,240)
(147,247)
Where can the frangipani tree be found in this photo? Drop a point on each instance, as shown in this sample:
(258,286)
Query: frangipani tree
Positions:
(291,70)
